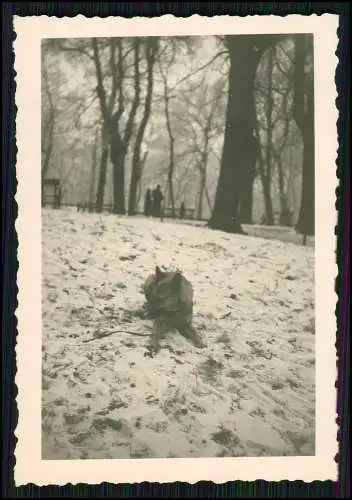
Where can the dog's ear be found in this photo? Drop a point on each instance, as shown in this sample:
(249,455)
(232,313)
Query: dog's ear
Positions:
(158,273)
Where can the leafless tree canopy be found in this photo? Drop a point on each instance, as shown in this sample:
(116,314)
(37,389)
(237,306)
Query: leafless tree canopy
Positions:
(224,125)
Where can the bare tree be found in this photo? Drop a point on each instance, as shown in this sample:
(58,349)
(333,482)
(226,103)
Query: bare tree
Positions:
(151,47)
(109,92)
(285,214)
(139,187)
(48,122)
(266,173)
(200,118)
(240,145)
(273,89)
(79,52)
(167,97)
(102,170)
(303,113)
(118,141)
(94,166)
(167,57)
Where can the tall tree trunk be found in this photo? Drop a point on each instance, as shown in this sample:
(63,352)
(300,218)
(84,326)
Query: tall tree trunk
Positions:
(285,216)
(238,138)
(117,157)
(119,145)
(203,168)
(92,181)
(269,213)
(46,162)
(266,177)
(139,187)
(47,153)
(47,145)
(304,117)
(291,188)
(246,195)
(262,174)
(103,168)
(203,179)
(151,49)
(246,201)
(201,195)
(107,124)
(206,192)
(171,168)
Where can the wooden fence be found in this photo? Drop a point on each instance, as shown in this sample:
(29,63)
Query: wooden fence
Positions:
(167,213)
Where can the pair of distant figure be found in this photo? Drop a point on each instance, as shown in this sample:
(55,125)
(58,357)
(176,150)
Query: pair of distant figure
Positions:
(153,201)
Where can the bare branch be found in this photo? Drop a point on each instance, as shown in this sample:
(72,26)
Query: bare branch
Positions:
(79,50)
(49,133)
(135,104)
(112,62)
(100,86)
(79,114)
(198,69)
(121,104)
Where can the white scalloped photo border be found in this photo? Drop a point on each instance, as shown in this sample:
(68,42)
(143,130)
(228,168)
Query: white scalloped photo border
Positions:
(30,468)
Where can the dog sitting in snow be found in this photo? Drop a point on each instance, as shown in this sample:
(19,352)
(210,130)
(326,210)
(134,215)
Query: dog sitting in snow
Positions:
(169,298)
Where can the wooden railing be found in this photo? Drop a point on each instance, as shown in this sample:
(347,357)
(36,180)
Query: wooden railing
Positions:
(187,214)
(167,213)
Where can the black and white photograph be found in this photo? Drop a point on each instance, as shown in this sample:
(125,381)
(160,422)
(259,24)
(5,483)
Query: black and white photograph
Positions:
(177,203)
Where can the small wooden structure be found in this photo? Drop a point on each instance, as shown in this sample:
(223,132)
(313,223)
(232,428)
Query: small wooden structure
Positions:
(51,193)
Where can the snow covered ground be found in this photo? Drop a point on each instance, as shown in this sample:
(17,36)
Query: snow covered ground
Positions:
(250,392)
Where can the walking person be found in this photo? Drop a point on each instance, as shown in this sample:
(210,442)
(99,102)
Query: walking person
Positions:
(157,200)
(148,203)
